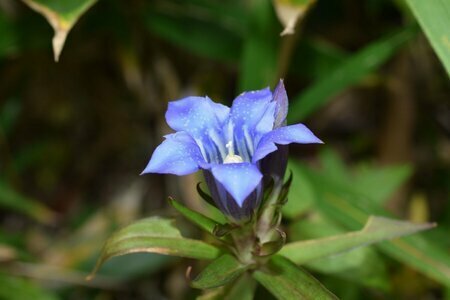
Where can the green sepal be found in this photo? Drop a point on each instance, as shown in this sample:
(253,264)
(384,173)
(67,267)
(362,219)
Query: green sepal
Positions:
(221,230)
(282,198)
(215,213)
(271,247)
(268,188)
(205,196)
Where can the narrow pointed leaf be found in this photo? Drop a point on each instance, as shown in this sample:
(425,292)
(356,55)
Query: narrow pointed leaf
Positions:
(350,208)
(290,12)
(154,235)
(380,183)
(8,42)
(17,288)
(346,74)
(300,195)
(242,289)
(434,18)
(221,271)
(216,34)
(363,266)
(13,200)
(197,218)
(287,281)
(376,229)
(260,48)
(62,16)
(377,183)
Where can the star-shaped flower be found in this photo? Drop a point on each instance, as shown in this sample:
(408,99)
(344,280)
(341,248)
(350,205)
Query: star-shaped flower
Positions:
(228,143)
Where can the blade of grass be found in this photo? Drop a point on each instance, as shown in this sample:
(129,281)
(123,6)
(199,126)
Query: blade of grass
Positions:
(434,18)
(346,74)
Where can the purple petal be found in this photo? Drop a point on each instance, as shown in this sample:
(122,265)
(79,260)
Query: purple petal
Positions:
(239,179)
(195,115)
(249,107)
(178,154)
(266,124)
(298,133)
(222,111)
(281,99)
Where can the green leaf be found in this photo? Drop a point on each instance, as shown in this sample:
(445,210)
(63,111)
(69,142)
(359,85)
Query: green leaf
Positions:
(154,235)
(380,183)
(421,254)
(376,184)
(287,281)
(348,207)
(14,288)
(200,220)
(434,18)
(333,165)
(129,267)
(376,229)
(290,12)
(363,265)
(13,200)
(242,288)
(62,16)
(316,58)
(203,37)
(301,194)
(220,272)
(260,50)
(11,108)
(351,71)
(8,37)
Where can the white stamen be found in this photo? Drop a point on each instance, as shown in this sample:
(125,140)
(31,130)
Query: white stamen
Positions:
(231,157)
(230,148)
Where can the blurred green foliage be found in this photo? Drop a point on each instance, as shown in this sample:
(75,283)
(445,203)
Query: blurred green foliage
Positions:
(74,135)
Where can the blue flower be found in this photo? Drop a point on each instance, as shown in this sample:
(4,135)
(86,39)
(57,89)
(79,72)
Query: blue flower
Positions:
(229,144)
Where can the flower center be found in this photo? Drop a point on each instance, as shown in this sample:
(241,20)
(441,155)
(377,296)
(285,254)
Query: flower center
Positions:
(231,158)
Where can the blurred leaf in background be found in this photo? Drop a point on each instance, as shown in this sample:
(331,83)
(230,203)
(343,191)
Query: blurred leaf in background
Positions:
(434,19)
(258,65)
(13,200)
(348,73)
(14,288)
(344,204)
(8,40)
(207,28)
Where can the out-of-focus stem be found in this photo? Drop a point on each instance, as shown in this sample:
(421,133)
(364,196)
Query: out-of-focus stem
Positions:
(397,133)
(286,50)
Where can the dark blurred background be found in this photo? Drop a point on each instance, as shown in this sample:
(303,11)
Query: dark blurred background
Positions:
(74,136)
